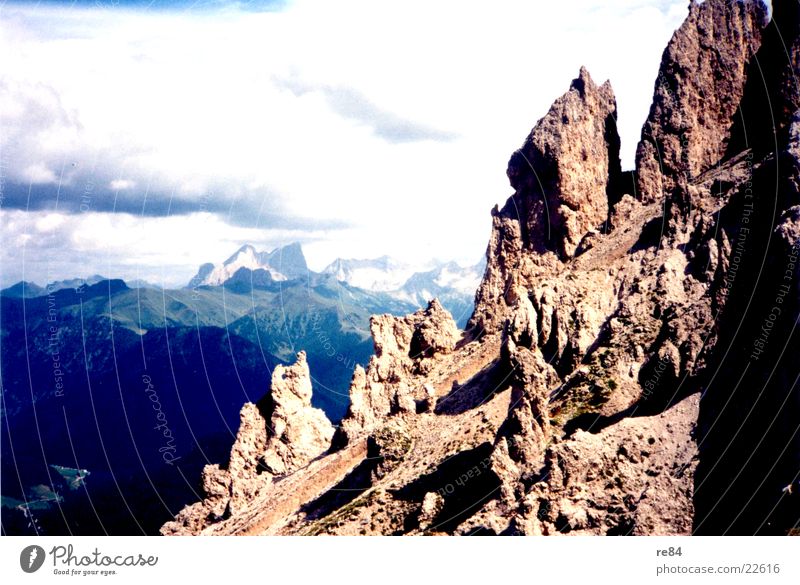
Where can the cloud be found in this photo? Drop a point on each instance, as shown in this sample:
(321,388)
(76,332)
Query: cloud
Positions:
(121,185)
(388,126)
(172,5)
(38,173)
(354,105)
(43,246)
(49,222)
(87,197)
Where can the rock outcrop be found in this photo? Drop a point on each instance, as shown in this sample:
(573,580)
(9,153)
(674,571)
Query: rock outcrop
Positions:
(562,172)
(758,310)
(276,437)
(394,381)
(629,367)
(632,478)
(297,432)
(697,94)
(562,177)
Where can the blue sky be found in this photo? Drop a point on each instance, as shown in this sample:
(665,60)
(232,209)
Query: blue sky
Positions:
(139,141)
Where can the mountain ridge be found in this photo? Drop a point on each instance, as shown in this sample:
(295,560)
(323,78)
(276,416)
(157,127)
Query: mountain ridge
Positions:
(448,281)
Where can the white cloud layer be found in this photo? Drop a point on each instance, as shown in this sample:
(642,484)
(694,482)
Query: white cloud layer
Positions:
(45,246)
(392,121)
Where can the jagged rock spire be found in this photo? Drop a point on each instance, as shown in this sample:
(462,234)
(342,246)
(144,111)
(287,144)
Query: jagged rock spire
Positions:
(276,437)
(562,176)
(404,350)
(565,163)
(697,92)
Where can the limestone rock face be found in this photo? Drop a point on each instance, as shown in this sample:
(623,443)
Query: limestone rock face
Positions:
(524,434)
(504,262)
(436,333)
(246,480)
(405,349)
(562,177)
(565,164)
(298,432)
(275,438)
(697,92)
(631,478)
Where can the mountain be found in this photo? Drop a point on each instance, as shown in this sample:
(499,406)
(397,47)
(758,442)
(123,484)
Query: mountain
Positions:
(82,369)
(284,263)
(29,289)
(630,365)
(287,260)
(141,283)
(452,284)
(393,282)
(202,276)
(380,274)
(23,289)
(74,282)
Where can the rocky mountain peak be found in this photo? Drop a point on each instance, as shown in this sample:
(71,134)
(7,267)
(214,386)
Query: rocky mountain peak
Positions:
(379,274)
(561,174)
(283,263)
(288,260)
(584,81)
(698,89)
(277,436)
(563,177)
(246,251)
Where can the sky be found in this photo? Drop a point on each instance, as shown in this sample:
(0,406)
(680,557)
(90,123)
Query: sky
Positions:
(141,139)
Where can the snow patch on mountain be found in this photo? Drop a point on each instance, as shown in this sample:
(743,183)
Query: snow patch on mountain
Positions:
(377,274)
(284,263)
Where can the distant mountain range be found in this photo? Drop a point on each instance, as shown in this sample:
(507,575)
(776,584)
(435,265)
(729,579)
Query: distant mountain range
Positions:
(29,290)
(381,274)
(452,284)
(78,357)
(285,263)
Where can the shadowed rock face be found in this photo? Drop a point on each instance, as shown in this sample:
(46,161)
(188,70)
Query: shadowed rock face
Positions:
(565,166)
(697,93)
(749,445)
(589,394)
(772,93)
(562,177)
